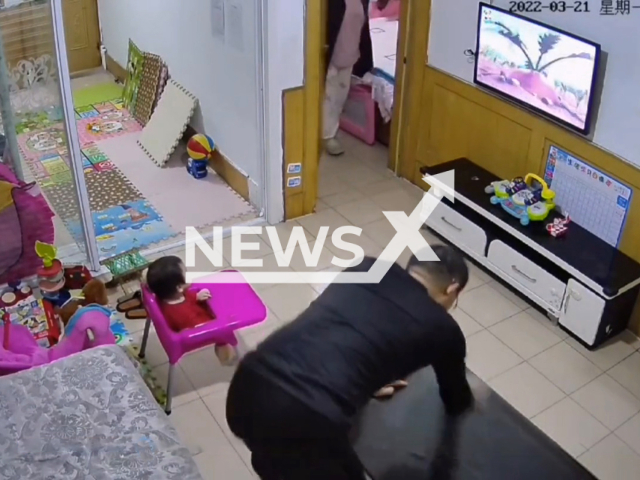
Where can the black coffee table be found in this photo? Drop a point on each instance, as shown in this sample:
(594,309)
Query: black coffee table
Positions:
(409,438)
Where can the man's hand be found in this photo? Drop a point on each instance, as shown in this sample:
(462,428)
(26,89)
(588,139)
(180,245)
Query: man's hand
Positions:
(382,4)
(203,295)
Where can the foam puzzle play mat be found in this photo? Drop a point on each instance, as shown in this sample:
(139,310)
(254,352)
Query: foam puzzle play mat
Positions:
(138,185)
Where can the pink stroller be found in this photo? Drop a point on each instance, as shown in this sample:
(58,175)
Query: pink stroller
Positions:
(20,351)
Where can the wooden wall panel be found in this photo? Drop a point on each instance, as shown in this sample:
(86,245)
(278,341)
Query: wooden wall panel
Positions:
(457,119)
(455,126)
(302,117)
(294,143)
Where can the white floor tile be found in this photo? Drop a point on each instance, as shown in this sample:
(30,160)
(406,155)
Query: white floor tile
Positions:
(524,335)
(154,353)
(321,205)
(251,339)
(200,432)
(283,232)
(468,325)
(477,277)
(507,293)
(205,372)
(361,212)
(318,257)
(608,401)
(612,459)
(571,426)
(289,300)
(396,201)
(327,218)
(381,232)
(488,357)
(370,247)
(331,185)
(343,198)
(359,175)
(485,305)
(627,373)
(526,389)
(381,186)
(609,354)
(269,263)
(565,367)
(183,390)
(630,433)
(546,322)
(217,403)
(253,247)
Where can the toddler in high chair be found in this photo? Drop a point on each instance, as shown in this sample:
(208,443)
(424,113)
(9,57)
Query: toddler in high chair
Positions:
(181,306)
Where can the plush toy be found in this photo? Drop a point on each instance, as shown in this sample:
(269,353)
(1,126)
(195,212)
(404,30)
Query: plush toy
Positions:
(94,294)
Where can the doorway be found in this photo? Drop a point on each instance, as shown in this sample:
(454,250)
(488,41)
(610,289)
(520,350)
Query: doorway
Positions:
(371,116)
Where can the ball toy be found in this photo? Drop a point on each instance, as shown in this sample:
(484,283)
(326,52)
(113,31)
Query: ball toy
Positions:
(200,147)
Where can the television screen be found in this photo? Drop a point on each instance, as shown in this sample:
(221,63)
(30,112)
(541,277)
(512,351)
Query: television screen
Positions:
(546,69)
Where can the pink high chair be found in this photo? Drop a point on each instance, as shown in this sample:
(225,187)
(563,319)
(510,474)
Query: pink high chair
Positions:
(236,306)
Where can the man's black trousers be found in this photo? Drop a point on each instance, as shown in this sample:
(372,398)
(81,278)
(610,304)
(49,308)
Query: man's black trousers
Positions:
(287,439)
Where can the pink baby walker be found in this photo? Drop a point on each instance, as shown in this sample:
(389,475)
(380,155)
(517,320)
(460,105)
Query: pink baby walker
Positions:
(20,351)
(236,305)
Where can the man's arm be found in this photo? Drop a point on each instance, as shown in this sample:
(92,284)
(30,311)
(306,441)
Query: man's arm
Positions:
(452,379)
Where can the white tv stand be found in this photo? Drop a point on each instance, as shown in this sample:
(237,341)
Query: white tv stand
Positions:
(586,284)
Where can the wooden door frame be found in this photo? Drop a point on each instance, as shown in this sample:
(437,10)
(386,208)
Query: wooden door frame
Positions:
(302,108)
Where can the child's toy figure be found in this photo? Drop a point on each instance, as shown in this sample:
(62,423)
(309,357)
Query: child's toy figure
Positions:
(182,307)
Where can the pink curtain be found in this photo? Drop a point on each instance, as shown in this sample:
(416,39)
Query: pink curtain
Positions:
(35,223)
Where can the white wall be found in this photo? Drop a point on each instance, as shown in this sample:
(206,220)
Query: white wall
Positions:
(453,30)
(222,77)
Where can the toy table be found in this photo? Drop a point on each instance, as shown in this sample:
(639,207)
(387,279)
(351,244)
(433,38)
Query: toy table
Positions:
(404,438)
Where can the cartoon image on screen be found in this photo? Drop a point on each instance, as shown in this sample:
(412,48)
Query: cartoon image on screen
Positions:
(540,66)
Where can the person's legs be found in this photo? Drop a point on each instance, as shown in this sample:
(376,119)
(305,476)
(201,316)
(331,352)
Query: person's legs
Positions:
(287,439)
(337,86)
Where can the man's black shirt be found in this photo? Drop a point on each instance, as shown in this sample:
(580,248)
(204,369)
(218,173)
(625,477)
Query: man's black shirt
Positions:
(356,338)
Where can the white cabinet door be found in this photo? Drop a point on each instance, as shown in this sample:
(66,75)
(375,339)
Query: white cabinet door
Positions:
(581,312)
(527,274)
(457,229)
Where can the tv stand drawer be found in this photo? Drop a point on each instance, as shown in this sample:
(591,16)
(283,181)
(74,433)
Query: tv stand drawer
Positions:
(457,229)
(526,273)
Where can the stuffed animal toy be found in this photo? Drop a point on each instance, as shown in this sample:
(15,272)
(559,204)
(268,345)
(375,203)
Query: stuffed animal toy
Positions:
(94,293)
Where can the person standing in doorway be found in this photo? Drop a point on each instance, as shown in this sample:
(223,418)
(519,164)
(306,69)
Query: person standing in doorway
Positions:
(349,52)
(293,400)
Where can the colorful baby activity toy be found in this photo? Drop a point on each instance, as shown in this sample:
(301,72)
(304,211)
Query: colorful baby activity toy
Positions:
(528,199)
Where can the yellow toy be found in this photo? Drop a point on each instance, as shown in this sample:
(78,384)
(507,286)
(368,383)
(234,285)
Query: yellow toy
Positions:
(528,199)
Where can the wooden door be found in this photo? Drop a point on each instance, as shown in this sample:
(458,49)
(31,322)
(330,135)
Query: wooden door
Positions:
(82,33)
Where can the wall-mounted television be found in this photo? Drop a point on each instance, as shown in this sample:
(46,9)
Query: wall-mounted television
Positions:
(538,66)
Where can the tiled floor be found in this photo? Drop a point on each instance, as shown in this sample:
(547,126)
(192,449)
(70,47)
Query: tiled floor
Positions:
(588,402)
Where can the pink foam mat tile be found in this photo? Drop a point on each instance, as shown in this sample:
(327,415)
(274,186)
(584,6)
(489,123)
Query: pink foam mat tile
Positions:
(181,199)
(107,125)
